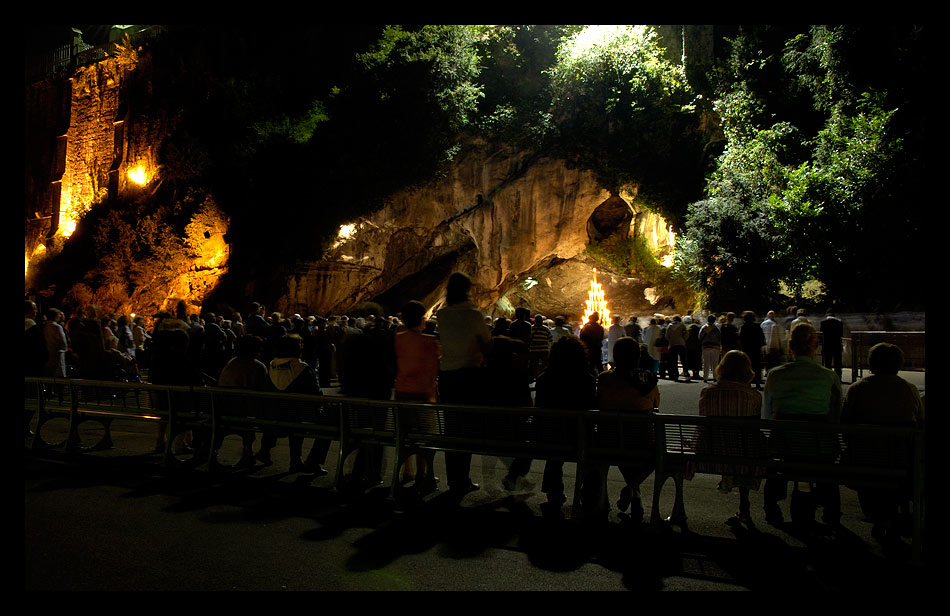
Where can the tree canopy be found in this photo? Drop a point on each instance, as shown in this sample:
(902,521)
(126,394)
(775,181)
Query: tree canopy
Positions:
(818,195)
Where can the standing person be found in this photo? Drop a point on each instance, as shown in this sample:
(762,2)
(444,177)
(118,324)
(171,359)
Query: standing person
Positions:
(710,338)
(539,346)
(614,333)
(369,371)
(124,334)
(832,331)
(141,339)
(801,315)
(676,334)
(56,344)
(694,350)
(732,396)
(730,334)
(465,341)
(805,391)
(36,353)
(774,341)
(520,328)
(651,333)
(627,388)
(560,328)
(507,384)
(592,335)
(751,339)
(633,329)
(170,365)
(568,383)
(417,372)
(883,399)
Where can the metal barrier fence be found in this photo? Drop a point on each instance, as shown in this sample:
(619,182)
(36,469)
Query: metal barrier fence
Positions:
(853,455)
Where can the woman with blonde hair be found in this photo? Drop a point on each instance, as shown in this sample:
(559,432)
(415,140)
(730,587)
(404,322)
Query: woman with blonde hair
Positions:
(733,396)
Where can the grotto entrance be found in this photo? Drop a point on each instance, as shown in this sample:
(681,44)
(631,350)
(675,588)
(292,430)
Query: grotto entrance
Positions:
(610,219)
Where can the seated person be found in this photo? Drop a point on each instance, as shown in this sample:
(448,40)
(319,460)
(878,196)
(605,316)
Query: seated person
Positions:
(626,387)
(287,373)
(802,390)
(885,399)
(732,396)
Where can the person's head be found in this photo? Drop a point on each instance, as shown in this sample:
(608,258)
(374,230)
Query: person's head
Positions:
(594,317)
(112,343)
(122,321)
(626,353)
(559,321)
(181,310)
(735,366)
(413,314)
(539,320)
(522,313)
(29,309)
(653,321)
(748,316)
(730,317)
(248,346)
(801,312)
(711,319)
(618,319)
(568,354)
(803,340)
(770,315)
(456,291)
(501,324)
(54,314)
(677,319)
(885,358)
(288,345)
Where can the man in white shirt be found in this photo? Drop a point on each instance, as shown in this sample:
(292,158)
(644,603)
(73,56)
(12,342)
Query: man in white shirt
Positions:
(465,340)
(774,341)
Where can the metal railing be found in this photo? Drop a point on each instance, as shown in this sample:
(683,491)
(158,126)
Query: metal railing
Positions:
(65,59)
(853,455)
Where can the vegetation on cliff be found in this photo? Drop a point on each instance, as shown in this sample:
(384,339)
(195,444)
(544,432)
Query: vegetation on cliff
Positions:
(821,183)
(816,176)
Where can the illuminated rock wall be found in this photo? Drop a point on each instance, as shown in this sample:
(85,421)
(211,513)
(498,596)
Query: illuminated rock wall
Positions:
(499,216)
(96,136)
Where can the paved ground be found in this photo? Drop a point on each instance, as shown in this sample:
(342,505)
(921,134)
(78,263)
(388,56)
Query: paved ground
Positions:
(115,520)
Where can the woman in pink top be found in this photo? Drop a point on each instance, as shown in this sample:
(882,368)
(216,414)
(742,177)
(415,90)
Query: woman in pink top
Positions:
(417,370)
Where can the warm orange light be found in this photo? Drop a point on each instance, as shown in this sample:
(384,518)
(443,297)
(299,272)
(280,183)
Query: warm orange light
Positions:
(596,302)
(138,175)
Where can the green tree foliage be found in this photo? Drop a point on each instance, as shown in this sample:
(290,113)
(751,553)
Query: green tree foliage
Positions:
(516,81)
(621,108)
(819,179)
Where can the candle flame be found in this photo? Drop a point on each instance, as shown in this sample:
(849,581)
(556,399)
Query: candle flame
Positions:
(596,302)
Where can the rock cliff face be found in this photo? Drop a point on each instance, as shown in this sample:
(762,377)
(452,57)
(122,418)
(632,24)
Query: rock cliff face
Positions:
(517,225)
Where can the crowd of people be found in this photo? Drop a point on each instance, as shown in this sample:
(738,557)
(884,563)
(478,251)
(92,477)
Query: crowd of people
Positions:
(759,369)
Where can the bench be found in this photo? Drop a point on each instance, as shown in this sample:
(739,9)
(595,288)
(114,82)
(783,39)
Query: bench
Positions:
(169,408)
(852,455)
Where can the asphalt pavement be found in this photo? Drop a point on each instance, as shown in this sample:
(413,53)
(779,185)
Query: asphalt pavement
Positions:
(117,520)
